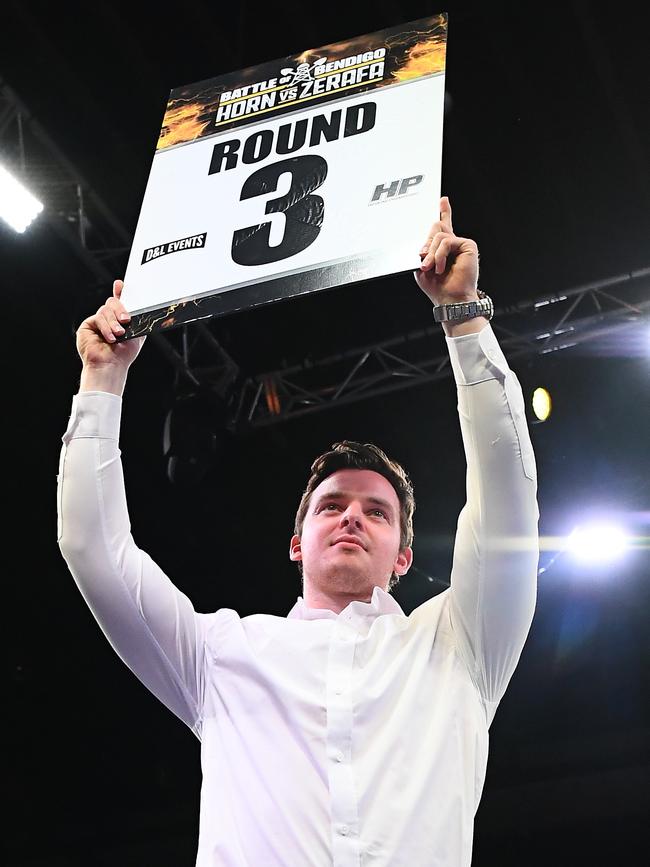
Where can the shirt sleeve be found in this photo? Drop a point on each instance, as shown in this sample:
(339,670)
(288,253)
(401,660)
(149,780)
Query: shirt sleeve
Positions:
(151,625)
(494,572)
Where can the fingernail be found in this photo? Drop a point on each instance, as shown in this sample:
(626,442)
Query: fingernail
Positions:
(124,317)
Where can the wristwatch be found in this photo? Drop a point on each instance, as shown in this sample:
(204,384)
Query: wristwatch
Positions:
(465,309)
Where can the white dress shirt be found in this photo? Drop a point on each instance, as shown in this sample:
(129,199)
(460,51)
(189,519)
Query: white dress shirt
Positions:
(350,740)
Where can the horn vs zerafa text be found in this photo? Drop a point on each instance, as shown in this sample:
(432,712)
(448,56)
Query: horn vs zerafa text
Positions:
(303,82)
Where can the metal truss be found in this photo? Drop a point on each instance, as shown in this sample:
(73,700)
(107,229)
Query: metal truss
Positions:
(73,209)
(547,324)
(536,327)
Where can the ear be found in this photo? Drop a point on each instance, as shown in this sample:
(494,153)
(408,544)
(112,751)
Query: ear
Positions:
(295,552)
(403,562)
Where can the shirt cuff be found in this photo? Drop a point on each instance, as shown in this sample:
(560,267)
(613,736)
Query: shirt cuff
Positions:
(94,414)
(477,357)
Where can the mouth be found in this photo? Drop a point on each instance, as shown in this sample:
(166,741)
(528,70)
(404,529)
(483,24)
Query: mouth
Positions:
(349,540)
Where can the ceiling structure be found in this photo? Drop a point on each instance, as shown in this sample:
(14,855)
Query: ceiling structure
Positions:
(547,163)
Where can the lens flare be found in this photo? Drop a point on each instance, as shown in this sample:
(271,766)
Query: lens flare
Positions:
(597,543)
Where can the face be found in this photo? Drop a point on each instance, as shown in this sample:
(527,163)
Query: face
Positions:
(351,534)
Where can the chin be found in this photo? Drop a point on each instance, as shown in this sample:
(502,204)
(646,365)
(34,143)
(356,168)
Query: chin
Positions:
(346,580)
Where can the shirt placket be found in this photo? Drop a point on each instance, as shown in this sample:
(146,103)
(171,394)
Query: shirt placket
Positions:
(343,797)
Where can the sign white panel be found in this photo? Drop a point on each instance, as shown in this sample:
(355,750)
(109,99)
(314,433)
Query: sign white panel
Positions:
(327,187)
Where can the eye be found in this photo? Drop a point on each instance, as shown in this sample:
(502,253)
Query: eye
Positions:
(327,506)
(378,512)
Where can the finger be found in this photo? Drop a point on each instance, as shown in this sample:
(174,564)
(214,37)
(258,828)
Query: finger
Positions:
(110,318)
(430,255)
(445,214)
(118,285)
(99,324)
(443,251)
(452,246)
(118,308)
(442,225)
(433,231)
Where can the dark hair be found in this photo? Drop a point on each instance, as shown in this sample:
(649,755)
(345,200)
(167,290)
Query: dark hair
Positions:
(362,456)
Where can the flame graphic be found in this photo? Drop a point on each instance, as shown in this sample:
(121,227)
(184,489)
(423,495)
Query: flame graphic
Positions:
(411,52)
(424,58)
(182,122)
(425,50)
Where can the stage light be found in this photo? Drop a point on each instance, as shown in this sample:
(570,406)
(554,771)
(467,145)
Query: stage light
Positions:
(541,404)
(597,543)
(18,207)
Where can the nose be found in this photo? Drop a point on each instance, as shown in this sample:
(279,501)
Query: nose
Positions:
(352,516)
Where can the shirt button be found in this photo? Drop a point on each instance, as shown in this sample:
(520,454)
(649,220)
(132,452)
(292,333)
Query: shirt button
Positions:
(344,830)
(338,757)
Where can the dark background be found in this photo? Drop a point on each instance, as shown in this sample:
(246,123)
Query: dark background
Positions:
(547,163)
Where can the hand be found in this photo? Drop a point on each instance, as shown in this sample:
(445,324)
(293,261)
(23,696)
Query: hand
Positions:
(449,270)
(105,359)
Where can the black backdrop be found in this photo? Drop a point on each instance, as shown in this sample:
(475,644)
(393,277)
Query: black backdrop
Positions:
(547,138)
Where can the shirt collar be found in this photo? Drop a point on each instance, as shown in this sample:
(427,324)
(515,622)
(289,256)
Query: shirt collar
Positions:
(381,603)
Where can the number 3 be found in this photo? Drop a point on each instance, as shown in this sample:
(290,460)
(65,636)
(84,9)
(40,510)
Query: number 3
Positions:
(303,212)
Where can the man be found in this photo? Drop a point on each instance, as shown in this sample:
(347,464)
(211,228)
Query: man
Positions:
(345,733)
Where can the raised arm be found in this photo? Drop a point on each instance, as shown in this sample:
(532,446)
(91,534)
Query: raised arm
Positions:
(494,573)
(150,624)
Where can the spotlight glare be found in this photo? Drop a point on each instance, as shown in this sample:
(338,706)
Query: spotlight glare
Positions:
(18,207)
(597,543)
(541,403)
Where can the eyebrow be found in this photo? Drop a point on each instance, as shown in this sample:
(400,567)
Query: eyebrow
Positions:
(341,495)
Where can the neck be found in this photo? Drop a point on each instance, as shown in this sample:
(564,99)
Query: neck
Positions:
(335,601)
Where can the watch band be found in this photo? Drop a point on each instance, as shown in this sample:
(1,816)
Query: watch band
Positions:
(465,309)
